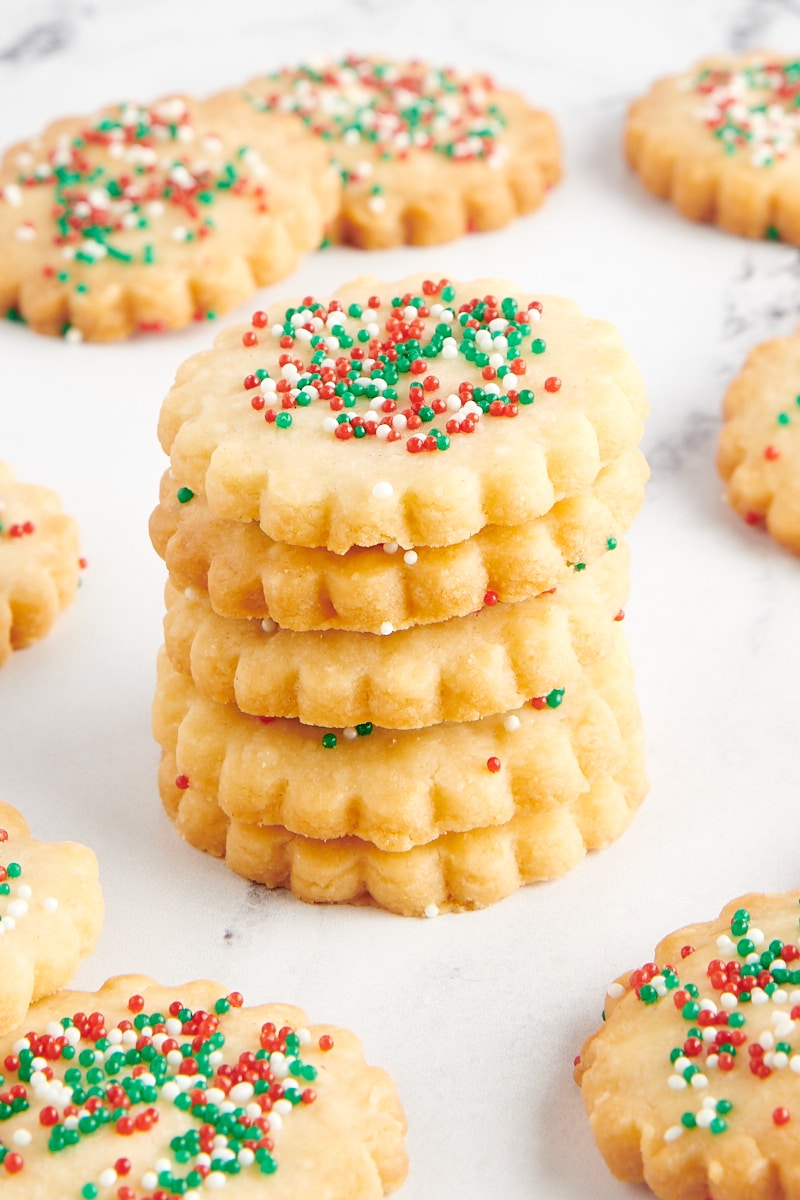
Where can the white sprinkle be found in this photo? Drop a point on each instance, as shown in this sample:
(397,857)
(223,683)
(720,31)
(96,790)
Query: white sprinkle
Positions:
(759,996)
(382,432)
(107,1178)
(12,193)
(376,204)
(724,943)
(21,1137)
(431,910)
(729,1001)
(24,892)
(673,1133)
(25,232)
(382,490)
(757,937)
(268,625)
(794,1064)
(350,733)
(73,335)
(699,1081)
(676,1082)
(215,1180)
(330,425)
(511,723)
(705,1116)
(399,422)
(386,628)
(390,547)
(179,233)
(615,990)
(766,1040)
(410,558)
(192,593)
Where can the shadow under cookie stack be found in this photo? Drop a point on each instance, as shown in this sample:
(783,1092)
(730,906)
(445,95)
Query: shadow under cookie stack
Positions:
(394,668)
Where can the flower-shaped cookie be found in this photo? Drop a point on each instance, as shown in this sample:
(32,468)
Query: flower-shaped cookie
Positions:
(51,911)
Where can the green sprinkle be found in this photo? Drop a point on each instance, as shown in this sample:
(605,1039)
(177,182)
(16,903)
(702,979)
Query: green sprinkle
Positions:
(555,697)
(283,420)
(329,741)
(185,494)
(538,345)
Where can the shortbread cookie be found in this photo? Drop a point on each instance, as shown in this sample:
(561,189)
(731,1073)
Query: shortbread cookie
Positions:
(692,1082)
(425,153)
(457,871)
(39,562)
(415,412)
(147,217)
(248,575)
(400,788)
(140,1091)
(759,448)
(457,670)
(721,142)
(51,911)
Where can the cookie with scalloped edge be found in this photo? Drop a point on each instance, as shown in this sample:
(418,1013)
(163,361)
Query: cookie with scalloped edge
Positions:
(721,142)
(246,574)
(146,217)
(759,446)
(399,788)
(426,153)
(456,670)
(691,1084)
(293,1107)
(51,912)
(416,412)
(454,872)
(39,563)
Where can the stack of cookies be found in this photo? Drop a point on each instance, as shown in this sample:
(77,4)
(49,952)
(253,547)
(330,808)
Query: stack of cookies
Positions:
(393,524)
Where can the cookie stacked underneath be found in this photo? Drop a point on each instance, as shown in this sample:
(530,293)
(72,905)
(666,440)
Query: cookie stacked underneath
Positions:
(393,525)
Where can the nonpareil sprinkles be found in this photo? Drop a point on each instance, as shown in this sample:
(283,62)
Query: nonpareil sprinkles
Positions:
(83,1074)
(389,109)
(746,1019)
(372,365)
(753,110)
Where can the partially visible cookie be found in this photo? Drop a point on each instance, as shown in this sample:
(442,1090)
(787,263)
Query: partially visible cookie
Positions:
(415,412)
(39,563)
(426,153)
(759,447)
(457,670)
(454,872)
(247,574)
(145,217)
(140,1090)
(721,142)
(691,1084)
(51,911)
(400,788)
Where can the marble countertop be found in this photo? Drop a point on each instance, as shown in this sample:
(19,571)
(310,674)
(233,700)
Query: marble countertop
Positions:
(478,1016)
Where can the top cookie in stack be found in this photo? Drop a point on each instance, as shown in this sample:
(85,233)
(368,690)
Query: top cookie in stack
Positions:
(401,508)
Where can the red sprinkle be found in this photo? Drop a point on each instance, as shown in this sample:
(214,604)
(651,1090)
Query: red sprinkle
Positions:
(182,782)
(781,1115)
(552,383)
(493,764)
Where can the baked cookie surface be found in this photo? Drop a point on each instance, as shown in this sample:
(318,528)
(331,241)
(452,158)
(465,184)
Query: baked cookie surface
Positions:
(394,788)
(247,574)
(425,153)
(51,911)
(415,412)
(456,670)
(152,1091)
(39,563)
(692,1082)
(721,142)
(759,447)
(454,872)
(146,217)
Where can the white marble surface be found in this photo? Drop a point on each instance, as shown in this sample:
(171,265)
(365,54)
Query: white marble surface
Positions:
(478,1016)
